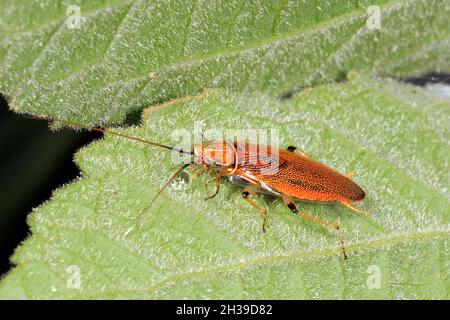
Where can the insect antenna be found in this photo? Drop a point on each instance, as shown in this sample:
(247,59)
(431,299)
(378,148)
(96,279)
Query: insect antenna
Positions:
(106,131)
(166,184)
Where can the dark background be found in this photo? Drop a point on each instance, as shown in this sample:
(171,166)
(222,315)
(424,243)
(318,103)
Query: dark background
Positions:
(35,161)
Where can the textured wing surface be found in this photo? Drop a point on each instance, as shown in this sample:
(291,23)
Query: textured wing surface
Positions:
(295,175)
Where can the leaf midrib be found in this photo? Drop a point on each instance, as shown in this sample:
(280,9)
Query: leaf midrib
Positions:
(335,21)
(323,252)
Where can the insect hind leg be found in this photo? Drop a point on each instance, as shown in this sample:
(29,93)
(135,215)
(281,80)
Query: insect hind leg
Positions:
(309,217)
(297,150)
(360,212)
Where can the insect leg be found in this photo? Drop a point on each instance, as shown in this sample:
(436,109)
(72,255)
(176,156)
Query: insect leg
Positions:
(245,194)
(309,217)
(197,172)
(348,205)
(217,186)
(305,215)
(296,150)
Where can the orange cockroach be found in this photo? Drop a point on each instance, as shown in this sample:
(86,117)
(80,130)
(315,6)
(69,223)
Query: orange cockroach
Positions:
(288,174)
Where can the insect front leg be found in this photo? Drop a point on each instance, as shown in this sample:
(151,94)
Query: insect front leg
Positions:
(197,172)
(217,186)
(309,217)
(245,194)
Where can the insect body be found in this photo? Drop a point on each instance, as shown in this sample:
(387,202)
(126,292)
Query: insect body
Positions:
(288,174)
(285,173)
(292,174)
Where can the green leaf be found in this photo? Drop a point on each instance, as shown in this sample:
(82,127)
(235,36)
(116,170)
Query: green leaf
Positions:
(127,55)
(188,248)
